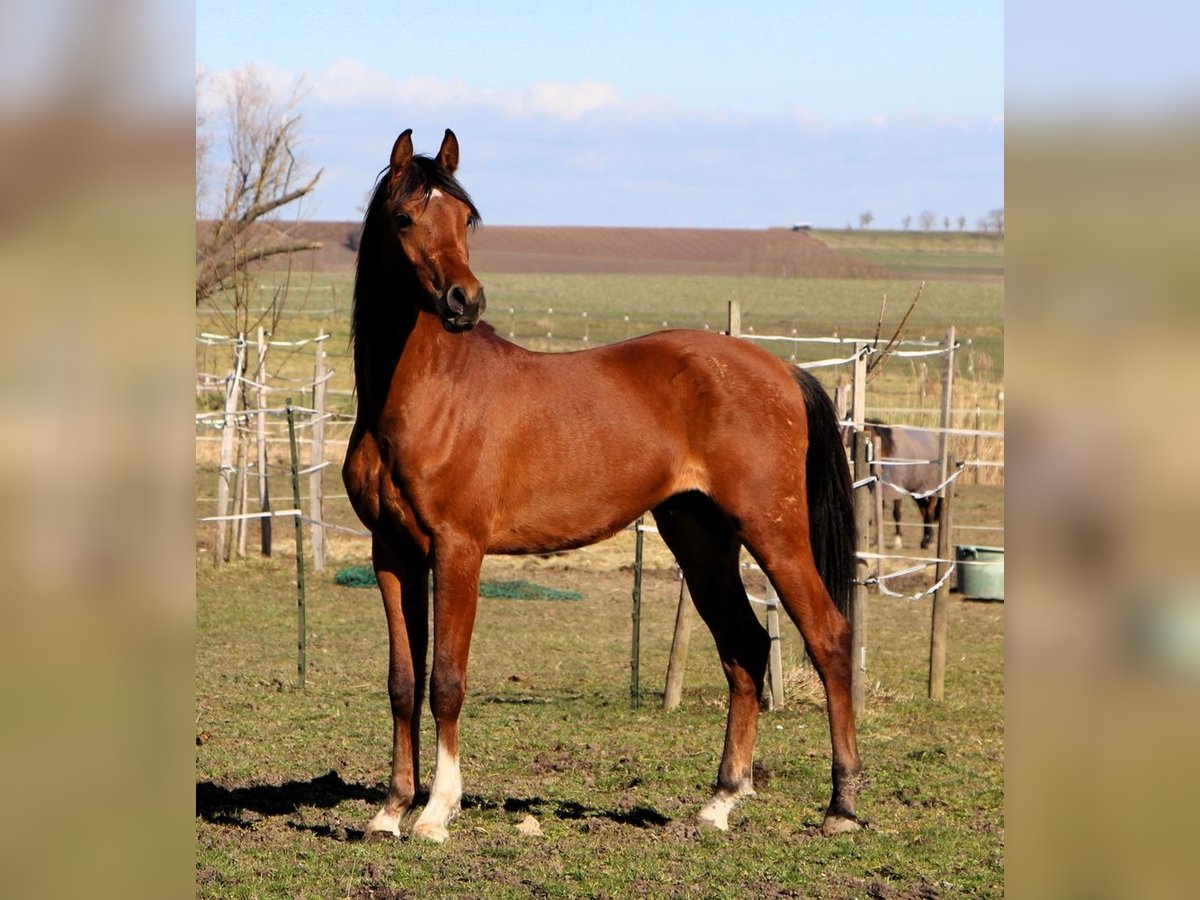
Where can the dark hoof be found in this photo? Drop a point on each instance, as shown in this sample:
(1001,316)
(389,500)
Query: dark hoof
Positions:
(838,824)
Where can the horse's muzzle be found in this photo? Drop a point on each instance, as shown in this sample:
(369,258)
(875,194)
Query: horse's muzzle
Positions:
(461,308)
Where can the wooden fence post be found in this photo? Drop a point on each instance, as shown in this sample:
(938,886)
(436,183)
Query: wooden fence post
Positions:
(232,395)
(840,401)
(858,606)
(941,598)
(876,454)
(242,525)
(858,387)
(677,662)
(775,657)
(316,460)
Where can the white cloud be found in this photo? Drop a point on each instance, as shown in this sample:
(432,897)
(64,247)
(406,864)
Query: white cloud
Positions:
(570,101)
(349,83)
(349,79)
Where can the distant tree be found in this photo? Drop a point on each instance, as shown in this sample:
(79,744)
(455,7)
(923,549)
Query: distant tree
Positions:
(906,222)
(962,223)
(995,220)
(982,224)
(262,176)
(946,223)
(928,220)
(865,219)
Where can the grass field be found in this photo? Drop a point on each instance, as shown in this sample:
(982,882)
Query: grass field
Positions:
(287,779)
(930,254)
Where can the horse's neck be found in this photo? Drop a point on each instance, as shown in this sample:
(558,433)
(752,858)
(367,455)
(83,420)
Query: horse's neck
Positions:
(428,356)
(430,349)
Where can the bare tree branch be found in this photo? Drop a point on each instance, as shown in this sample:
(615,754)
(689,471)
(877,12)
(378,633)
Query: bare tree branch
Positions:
(261,134)
(876,366)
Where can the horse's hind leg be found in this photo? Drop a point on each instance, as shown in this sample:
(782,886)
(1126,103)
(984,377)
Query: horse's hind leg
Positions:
(928,507)
(897,543)
(707,550)
(787,560)
(935,515)
(403,582)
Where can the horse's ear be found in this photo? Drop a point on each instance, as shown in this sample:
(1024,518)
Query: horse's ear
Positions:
(402,153)
(448,155)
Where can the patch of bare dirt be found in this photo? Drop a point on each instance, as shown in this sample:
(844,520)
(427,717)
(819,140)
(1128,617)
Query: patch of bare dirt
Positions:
(777,252)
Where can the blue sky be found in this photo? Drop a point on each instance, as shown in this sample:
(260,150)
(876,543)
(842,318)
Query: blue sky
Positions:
(663,114)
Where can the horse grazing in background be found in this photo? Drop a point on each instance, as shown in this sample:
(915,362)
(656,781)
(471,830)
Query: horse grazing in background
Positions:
(466,444)
(910,460)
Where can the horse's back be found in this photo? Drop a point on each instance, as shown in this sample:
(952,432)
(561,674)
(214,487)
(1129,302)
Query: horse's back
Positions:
(920,451)
(599,436)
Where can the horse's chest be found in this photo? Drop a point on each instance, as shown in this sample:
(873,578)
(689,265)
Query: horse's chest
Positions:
(378,498)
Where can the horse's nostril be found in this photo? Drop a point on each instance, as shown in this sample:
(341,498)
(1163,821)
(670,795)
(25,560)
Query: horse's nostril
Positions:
(456,299)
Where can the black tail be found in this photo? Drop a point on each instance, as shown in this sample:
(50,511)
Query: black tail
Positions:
(830,494)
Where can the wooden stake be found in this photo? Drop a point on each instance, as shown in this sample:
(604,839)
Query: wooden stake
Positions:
(858,388)
(677,663)
(232,394)
(858,607)
(775,659)
(876,448)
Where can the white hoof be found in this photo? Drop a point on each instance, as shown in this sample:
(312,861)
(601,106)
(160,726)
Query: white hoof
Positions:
(897,544)
(432,826)
(384,824)
(715,813)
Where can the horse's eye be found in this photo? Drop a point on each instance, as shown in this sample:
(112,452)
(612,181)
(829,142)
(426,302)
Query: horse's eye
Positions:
(403,220)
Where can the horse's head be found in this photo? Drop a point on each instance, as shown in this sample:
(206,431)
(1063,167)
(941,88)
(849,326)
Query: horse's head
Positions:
(428,214)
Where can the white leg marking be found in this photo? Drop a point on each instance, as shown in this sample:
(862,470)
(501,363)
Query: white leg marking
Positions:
(385,822)
(445,798)
(716,811)
(897,543)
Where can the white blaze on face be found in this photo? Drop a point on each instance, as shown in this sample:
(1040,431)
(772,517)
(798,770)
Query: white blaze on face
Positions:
(434,194)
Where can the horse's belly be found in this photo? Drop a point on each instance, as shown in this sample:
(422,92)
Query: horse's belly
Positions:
(574,512)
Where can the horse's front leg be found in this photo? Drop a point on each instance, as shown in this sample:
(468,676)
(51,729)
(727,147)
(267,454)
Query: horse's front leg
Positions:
(404,584)
(455,597)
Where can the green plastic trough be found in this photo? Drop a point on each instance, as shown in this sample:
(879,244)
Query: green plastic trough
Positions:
(980,572)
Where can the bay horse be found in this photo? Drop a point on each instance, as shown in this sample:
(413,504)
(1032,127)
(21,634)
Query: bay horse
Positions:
(910,460)
(466,444)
